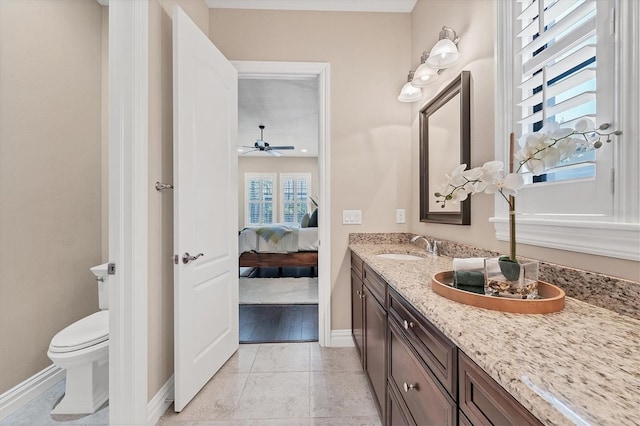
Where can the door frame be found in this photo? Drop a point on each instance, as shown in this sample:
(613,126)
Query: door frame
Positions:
(321,70)
(128,210)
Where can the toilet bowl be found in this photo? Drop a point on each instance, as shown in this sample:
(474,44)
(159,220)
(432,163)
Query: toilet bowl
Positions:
(82,349)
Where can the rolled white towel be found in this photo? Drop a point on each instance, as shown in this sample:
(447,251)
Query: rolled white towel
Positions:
(468,264)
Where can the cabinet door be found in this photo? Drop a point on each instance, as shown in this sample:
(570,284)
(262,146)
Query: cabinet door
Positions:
(427,401)
(395,414)
(485,402)
(357,314)
(375,330)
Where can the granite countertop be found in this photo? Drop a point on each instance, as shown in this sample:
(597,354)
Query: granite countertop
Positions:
(578,366)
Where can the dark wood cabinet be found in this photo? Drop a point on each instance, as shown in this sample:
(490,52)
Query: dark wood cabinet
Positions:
(375,352)
(434,348)
(485,402)
(369,328)
(427,401)
(396,410)
(416,374)
(357,313)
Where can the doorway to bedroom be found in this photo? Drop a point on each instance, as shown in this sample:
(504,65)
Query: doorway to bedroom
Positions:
(278,176)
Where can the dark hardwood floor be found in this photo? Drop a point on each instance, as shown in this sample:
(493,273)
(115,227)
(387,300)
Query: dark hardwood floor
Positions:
(278,323)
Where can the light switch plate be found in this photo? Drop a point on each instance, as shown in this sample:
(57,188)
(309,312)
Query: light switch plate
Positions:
(400,216)
(351,217)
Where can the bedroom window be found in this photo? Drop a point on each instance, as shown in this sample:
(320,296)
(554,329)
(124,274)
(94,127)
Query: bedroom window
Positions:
(294,196)
(260,189)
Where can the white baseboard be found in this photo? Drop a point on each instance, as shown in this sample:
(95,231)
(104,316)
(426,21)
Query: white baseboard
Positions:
(25,392)
(341,338)
(160,402)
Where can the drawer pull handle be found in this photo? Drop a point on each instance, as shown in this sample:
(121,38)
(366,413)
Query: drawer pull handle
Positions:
(408,324)
(408,386)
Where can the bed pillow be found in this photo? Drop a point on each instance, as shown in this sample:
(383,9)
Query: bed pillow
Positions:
(313,220)
(304,222)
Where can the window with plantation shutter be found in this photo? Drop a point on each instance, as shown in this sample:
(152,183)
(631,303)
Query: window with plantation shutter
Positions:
(260,190)
(294,196)
(559,45)
(564,60)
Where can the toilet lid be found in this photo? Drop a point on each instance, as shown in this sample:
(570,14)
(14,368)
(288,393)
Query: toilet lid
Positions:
(83,333)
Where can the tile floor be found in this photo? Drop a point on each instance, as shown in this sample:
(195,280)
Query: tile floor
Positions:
(38,412)
(283,384)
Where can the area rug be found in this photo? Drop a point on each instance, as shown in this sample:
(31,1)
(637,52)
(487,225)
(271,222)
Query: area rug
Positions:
(265,291)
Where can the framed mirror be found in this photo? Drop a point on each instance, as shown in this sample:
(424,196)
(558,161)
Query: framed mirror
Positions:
(445,143)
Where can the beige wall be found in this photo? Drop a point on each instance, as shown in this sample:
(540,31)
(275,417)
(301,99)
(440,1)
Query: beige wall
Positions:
(50,167)
(474,22)
(370,133)
(160,296)
(273,165)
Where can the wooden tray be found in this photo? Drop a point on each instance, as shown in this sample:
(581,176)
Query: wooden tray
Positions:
(552,297)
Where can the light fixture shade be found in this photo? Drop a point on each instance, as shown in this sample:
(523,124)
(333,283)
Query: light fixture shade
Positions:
(443,54)
(410,93)
(424,75)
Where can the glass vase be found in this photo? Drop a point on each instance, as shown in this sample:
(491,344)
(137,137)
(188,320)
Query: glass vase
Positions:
(506,278)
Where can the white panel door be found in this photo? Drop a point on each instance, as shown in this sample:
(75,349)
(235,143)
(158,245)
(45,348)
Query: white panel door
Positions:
(205,162)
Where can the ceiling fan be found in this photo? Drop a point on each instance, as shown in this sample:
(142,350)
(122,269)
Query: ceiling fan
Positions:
(262,145)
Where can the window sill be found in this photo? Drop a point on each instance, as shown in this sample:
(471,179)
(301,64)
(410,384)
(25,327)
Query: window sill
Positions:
(610,239)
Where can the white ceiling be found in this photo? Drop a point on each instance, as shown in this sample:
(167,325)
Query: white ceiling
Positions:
(398,6)
(288,108)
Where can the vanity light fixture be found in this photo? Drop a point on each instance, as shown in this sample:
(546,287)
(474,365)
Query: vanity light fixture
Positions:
(445,52)
(443,55)
(424,75)
(410,93)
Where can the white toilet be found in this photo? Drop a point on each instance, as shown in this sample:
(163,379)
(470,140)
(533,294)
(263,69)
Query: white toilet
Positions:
(83,350)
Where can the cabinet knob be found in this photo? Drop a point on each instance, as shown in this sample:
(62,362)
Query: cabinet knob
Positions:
(408,386)
(408,324)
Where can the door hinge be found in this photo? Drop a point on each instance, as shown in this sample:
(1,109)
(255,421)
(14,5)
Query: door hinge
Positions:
(111,268)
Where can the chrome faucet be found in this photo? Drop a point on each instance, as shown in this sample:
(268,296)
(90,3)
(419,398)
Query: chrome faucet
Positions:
(428,247)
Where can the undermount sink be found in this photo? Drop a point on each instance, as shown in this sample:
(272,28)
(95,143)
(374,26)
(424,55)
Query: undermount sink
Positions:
(399,256)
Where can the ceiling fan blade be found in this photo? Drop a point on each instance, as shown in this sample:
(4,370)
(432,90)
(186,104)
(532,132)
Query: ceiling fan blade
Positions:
(253,150)
(274,153)
(283,147)
(246,146)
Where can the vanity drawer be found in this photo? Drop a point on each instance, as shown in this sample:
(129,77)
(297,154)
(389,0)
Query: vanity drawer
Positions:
(376,284)
(437,352)
(427,401)
(485,402)
(396,410)
(356,265)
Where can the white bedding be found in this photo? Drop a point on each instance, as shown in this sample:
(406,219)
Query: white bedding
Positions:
(250,241)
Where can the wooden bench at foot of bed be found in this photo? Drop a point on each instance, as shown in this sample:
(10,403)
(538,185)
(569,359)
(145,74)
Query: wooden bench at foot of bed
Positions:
(276,260)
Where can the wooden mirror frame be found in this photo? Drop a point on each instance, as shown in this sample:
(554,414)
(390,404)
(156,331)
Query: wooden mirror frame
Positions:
(461,85)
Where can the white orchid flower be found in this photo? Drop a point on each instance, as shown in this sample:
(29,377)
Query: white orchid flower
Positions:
(584,125)
(508,186)
(567,147)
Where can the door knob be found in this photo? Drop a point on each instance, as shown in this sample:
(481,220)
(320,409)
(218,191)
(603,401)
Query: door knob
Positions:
(186,258)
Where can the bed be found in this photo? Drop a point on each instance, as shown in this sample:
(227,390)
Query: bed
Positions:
(278,245)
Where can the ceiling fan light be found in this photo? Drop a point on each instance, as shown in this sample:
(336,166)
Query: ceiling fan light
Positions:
(409,93)
(443,54)
(424,75)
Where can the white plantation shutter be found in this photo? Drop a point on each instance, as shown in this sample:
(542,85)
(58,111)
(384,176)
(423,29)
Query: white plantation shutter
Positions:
(260,190)
(563,60)
(559,45)
(294,196)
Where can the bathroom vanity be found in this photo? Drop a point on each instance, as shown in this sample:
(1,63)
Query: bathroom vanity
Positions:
(430,360)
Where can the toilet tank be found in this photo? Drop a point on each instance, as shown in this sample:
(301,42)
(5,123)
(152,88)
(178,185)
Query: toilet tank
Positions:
(102,277)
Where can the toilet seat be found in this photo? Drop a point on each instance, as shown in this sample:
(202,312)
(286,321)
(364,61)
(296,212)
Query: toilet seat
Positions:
(86,332)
